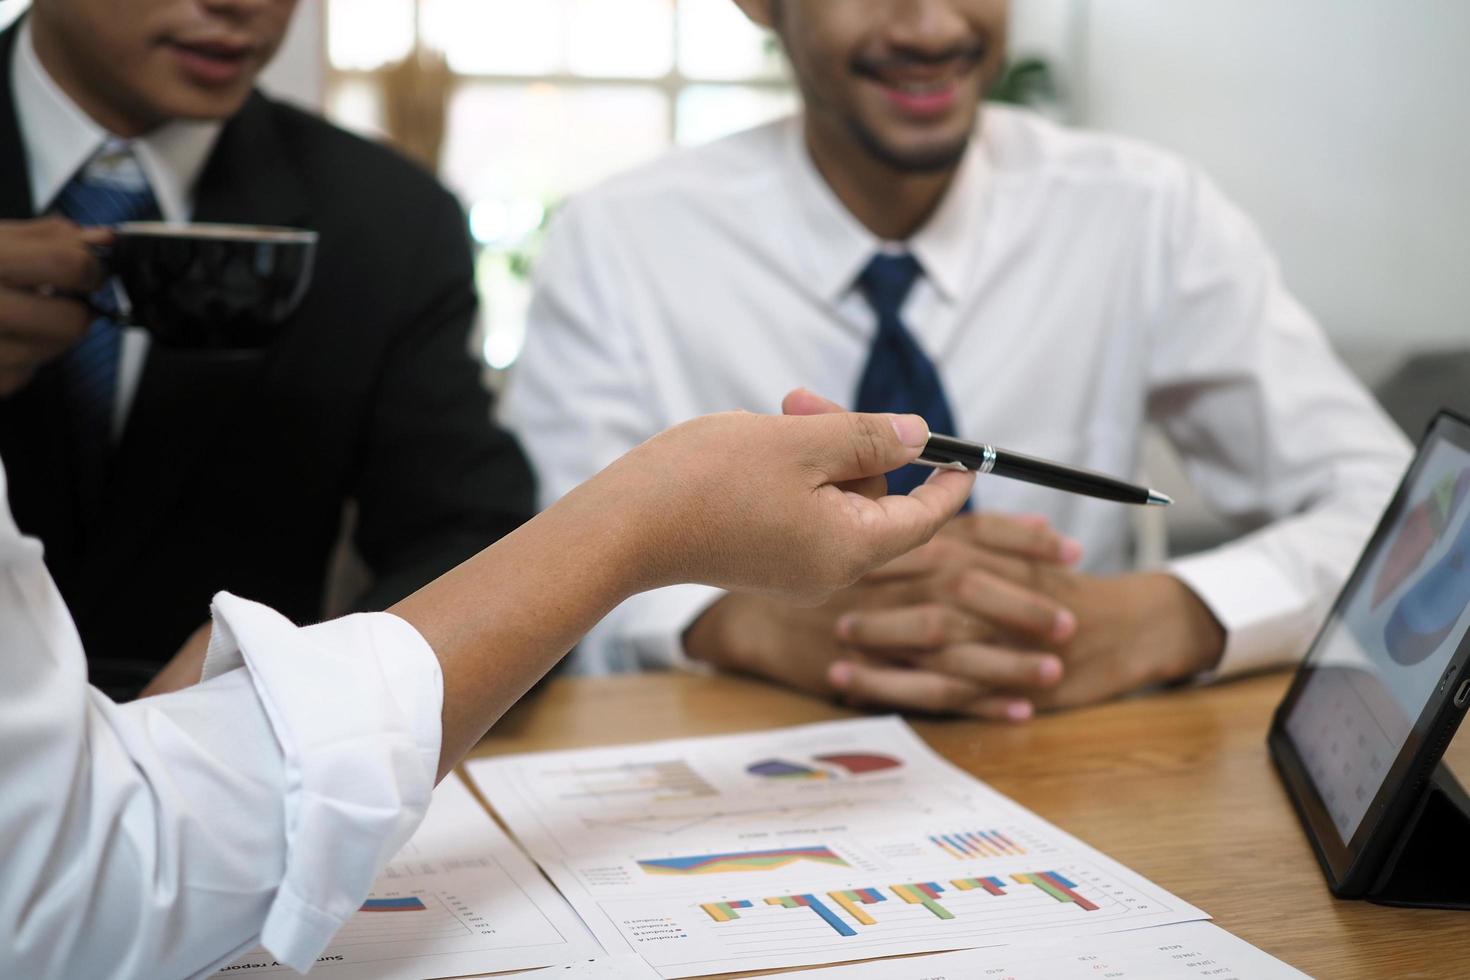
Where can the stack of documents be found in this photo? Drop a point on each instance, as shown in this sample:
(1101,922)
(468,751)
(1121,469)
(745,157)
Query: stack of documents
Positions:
(820,844)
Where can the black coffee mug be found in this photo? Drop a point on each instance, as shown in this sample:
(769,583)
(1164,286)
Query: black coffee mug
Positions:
(209,287)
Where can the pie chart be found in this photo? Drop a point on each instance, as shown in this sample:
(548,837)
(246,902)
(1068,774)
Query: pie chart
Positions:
(1421,528)
(856,763)
(828,765)
(1427,613)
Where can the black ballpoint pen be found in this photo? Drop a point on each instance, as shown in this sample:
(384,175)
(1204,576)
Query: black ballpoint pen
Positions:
(947,452)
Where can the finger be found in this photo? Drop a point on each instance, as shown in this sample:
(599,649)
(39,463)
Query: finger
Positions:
(1009,605)
(929,626)
(42,324)
(921,690)
(850,446)
(956,552)
(926,559)
(803,402)
(873,487)
(800,401)
(895,524)
(1025,537)
(991,666)
(59,258)
(13,379)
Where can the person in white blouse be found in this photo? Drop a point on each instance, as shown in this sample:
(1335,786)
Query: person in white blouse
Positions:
(163,837)
(1064,289)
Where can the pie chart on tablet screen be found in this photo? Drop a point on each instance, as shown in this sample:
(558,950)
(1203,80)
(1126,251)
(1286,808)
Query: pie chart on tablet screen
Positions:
(1426,614)
(1422,526)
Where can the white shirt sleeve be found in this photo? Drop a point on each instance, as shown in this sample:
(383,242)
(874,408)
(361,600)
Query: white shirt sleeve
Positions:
(578,328)
(1274,431)
(164,837)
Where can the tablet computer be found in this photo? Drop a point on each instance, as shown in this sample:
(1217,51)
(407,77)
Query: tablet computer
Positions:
(1385,683)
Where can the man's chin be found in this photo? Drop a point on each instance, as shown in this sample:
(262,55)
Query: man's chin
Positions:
(927,158)
(200,103)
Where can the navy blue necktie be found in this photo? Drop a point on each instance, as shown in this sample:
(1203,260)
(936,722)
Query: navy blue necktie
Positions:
(899,377)
(110,189)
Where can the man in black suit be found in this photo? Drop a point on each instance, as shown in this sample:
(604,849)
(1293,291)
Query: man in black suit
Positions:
(226,472)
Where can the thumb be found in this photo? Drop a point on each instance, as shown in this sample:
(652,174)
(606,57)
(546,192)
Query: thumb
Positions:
(849,446)
(800,401)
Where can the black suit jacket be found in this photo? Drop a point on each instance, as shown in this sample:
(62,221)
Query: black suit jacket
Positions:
(232,472)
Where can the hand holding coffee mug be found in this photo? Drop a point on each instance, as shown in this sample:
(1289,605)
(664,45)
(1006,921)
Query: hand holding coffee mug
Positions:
(214,287)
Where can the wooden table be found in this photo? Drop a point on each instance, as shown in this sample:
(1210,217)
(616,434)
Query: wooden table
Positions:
(1177,786)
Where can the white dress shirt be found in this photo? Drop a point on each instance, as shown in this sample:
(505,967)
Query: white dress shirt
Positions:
(164,837)
(1076,286)
(59,138)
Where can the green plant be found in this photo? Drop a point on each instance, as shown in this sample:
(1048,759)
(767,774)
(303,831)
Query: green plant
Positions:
(1027,81)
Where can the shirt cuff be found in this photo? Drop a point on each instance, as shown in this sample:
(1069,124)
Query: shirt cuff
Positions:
(1268,621)
(355,705)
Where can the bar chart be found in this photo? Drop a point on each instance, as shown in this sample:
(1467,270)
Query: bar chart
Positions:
(964,844)
(816,905)
(923,894)
(768,860)
(725,911)
(423,917)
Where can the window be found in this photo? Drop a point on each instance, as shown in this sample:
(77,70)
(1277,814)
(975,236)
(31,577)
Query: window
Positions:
(542,99)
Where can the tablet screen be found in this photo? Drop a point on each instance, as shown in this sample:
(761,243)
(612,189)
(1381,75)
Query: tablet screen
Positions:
(1387,644)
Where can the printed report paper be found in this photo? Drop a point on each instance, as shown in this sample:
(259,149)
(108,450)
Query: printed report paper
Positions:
(1179,952)
(801,846)
(458,898)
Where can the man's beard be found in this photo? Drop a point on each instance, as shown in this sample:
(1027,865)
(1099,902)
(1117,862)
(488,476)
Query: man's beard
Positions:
(926,161)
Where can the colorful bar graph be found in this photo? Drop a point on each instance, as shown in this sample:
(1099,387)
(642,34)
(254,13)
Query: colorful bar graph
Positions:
(976,843)
(923,893)
(706,864)
(815,904)
(725,911)
(1057,887)
(992,884)
(410,904)
(854,900)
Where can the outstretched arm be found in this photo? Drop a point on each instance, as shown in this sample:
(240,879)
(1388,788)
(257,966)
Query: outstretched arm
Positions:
(164,837)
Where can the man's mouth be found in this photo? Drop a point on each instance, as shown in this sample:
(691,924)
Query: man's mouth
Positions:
(922,87)
(212,61)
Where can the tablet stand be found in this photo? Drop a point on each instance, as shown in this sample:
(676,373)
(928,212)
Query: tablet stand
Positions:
(1430,865)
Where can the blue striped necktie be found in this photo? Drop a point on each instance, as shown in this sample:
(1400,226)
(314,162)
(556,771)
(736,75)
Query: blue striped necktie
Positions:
(110,189)
(899,377)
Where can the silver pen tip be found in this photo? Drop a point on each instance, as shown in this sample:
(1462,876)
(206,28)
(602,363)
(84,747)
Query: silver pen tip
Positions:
(1157,499)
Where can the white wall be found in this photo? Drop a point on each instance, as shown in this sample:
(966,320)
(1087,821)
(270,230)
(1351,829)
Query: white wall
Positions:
(299,71)
(1343,126)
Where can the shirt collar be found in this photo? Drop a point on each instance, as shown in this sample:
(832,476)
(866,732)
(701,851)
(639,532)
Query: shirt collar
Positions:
(945,245)
(59,138)
(841,246)
(838,245)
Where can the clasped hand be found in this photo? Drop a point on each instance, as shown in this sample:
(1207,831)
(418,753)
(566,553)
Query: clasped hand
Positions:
(989,619)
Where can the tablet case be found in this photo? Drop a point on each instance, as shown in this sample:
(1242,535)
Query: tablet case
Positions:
(1429,867)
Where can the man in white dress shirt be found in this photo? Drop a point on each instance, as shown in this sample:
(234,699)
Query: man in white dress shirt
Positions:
(164,837)
(1052,291)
